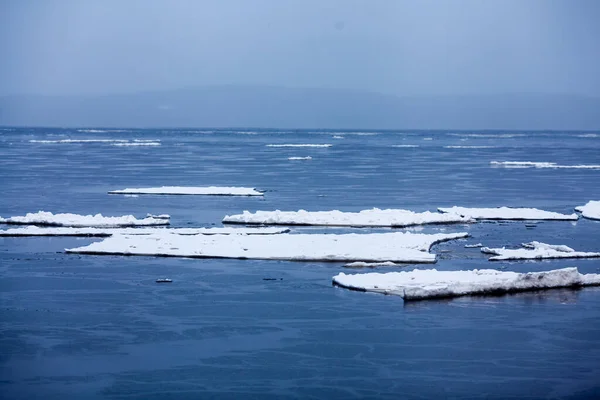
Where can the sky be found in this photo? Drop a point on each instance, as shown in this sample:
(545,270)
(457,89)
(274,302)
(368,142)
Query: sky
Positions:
(405,48)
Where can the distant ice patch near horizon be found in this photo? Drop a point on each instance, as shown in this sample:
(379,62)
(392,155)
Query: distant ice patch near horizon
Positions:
(430,284)
(591,210)
(508,213)
(79,141)
(536,251)
(469,147)
(105,232)
(405,145)
(402,247)
(76,220)
(300,158)
(300,145)
(192,190)
(532,164)
(365,218)
(136,144)
(489,135)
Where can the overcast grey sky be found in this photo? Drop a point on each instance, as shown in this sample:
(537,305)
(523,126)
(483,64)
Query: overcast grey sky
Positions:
(400,47)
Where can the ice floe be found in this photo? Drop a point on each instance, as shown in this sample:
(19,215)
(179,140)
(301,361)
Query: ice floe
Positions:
(362,264)
(299,158)
(532,164)
(76,220)
(338,137)
(80,141)
(469,147)
(397,246)
(508,213)
(136,144)
(105,232)
(191,190)
(488,135)
(365,218)
(473,246)
(536,251)
(591,210)
(431,283)
(160,216)
(299,145)
(405,145)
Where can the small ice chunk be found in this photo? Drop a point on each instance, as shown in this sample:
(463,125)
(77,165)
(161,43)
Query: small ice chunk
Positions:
(365,218)
(536,251)
(76,220)
(405,145)
(397,246)
(473,246)
(160,216)
(190,190)
(426,284)
(299,145)
(299,158)
(531,164)
(508,213)
(136,144)
(362,264)
(591,210)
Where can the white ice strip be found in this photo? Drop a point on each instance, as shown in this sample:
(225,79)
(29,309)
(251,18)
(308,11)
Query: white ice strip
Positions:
(473,246)
(76,220)
(160,216)
(190,190)
(146,140)
(531,164)
(469,147)
(508,213)
(536,251)
(405,145)
(80,141)
(397,246)
(136,144)
(299,145)
(365,218)
(299,158)
(426,284)
(591,210)
(104,232)
(362,264)
(338,137)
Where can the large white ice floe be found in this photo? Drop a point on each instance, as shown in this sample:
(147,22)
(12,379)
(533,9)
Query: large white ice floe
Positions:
(105,232)
(431,283)
(76,220)
(365,218)
(532,164)
(300,145)
(190,190)
(508,213)
(536,251)
(591,210)
(397,246)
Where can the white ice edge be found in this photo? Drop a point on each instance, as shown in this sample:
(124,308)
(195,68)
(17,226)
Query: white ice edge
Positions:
(532,164)
(103,232)
(508,213)
(536,251)
(395,247)
(591,210)
(190,190)
(362,264)
(79,141)
(299,158)
(76,220)
(365,218)
(469,147)
(136,144)
(473,246)
(405,145)
(425,284)
(300,145)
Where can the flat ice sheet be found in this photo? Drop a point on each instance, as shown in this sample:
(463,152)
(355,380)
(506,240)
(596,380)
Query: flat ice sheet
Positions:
(129,144)
(508,213)
(397,246)
(300,145)
(366,218)
(531,164)
(299,158)
(536,251)
(190,190)
(79,141)
(591,210)
(76,220)
(362,264)
(105,232)
(426,284)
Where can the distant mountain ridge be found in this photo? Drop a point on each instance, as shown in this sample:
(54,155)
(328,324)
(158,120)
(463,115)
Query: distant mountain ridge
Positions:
(278,107)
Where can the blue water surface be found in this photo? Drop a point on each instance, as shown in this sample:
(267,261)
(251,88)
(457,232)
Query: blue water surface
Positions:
(99,327)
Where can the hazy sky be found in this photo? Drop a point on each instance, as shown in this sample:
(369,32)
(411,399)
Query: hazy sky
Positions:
(417,47)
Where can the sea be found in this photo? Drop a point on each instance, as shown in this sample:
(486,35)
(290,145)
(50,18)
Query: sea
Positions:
(100,327)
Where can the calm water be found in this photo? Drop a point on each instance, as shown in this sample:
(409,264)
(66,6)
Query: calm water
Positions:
(100,327)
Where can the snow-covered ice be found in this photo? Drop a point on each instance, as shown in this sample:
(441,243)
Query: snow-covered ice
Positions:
(532,164)
(299,145)
(396,246)
(536,251)
(405,145)
(338,137)
(473,246)
(508,213)
(160,216)
(190,190)
(426,284)
(104,232)
(362,264)
(591,210)
(469,147)
(128,144)
(74,141)
(76,220)
(365,218)
(299,158)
